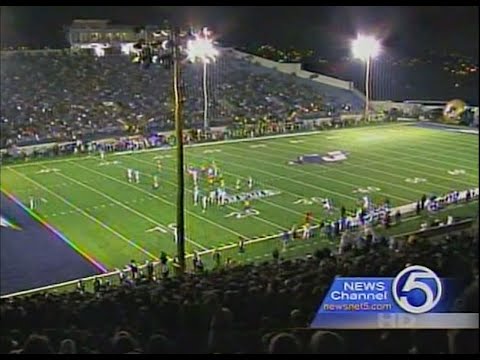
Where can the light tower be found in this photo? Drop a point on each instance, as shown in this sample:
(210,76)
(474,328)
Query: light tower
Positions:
(201,48)
(366,48)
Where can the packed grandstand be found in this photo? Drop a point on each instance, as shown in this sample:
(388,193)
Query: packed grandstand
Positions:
(228,307)
(57,95)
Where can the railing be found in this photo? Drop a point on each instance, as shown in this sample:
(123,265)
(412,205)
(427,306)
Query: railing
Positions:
(440,230)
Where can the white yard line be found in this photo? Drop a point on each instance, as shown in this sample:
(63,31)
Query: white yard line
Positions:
(162,200)
(87,215)
(163,227)
(258,218)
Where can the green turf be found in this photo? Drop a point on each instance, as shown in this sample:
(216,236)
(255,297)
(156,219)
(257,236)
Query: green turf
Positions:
(108,218)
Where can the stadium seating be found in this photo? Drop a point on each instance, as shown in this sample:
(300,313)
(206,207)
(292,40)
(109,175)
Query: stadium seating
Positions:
(57,95)
(243,309)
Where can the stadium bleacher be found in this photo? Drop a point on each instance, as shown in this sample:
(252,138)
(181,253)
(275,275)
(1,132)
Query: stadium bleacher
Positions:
(55,95)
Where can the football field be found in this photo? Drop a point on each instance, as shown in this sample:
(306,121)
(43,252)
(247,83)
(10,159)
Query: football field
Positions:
(112,220)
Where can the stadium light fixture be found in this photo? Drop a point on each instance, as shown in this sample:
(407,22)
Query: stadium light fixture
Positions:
(201,48)
(366,48)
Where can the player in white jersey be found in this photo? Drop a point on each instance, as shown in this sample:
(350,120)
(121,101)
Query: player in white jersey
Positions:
(211,197)
(237,185)
(102,154)
(250,182)
(32,203)
(218,195)
(196,195)
(175,235)
(204,203)
(137,176)
(129,175)
(306,231)
(222,196)
(155,182)
(327,205)
(366,202)
(195,177)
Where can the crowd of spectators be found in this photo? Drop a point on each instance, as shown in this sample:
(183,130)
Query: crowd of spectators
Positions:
(252,308)
(58,95)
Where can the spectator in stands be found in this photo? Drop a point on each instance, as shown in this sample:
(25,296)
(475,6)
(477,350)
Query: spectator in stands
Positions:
(97,284)
(134,269)
(284,343)
(326,342)
(149,266)
(36,344)
(67,346)
(275,255)
(159,344)
(81,286)
(123,343)
(216,258)
(221,338)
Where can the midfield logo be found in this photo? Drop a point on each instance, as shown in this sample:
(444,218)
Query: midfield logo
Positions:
(107,163)
(415,180)
(330,157)
(48,170)
(252,195)
(311,201)
(243,214)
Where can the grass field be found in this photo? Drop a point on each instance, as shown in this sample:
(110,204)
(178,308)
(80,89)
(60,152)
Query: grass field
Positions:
(114,221)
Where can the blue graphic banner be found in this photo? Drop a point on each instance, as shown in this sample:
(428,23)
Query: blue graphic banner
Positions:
(415,298)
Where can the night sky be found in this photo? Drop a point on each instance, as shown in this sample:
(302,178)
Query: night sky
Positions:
(406,31)
(437,35)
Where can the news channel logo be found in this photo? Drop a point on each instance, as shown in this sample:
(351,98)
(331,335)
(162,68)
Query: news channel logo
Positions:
(417,289)
(415,298)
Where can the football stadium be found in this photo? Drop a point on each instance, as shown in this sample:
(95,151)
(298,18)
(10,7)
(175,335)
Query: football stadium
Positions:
(160,188)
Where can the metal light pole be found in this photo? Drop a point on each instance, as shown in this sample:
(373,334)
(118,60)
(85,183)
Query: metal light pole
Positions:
(367,89)
(201,48)
(205,97)
(180,158)
(366,48)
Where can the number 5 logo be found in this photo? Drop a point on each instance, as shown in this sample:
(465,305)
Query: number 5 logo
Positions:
(408,292)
